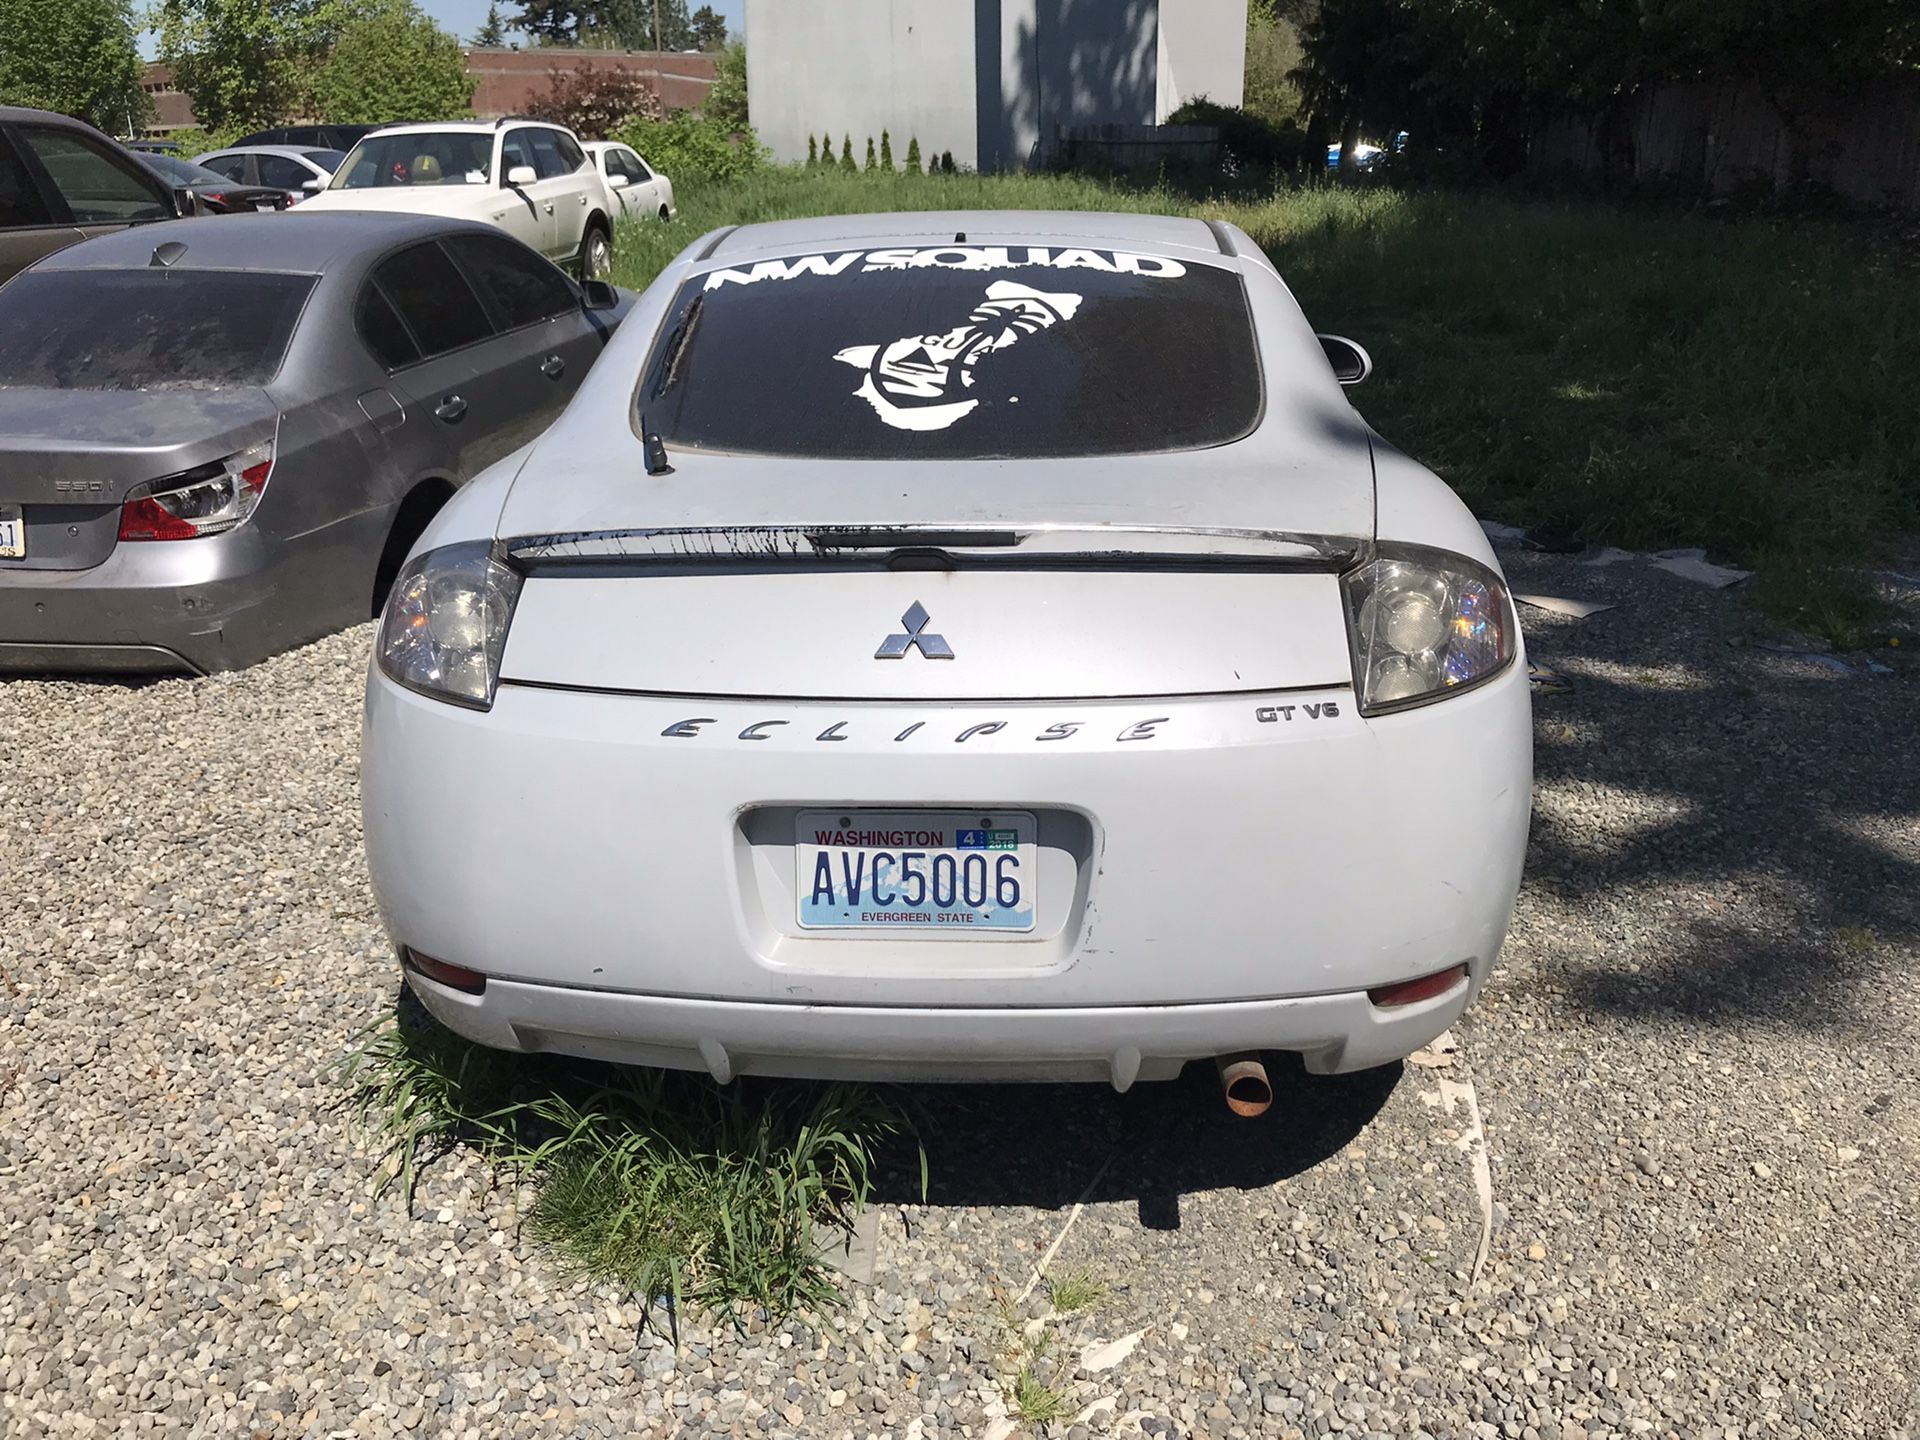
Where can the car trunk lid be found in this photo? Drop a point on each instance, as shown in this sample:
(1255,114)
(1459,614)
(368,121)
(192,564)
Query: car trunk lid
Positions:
(69,457)
(1162,575)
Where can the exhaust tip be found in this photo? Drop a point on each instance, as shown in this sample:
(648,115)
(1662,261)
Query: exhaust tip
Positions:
(1244,1084)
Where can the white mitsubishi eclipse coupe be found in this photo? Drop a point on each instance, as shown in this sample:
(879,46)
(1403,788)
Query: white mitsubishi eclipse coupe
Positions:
(954,646)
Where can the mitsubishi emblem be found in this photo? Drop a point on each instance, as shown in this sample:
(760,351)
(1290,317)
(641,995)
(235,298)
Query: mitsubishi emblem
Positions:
(932,647)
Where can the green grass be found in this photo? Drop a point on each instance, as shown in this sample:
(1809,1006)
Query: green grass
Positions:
(658,1182)
(1075,1291)
(1037,1400)
(1622,376)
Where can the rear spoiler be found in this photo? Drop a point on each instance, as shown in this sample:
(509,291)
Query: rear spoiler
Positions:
(934,547)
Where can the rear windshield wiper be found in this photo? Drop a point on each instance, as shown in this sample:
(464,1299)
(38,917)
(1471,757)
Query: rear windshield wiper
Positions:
(675,350)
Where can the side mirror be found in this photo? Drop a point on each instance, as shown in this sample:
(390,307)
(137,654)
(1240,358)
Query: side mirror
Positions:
(1351,364)
(618,182)
(598,295)
(521,175)
(314,186)
(183,204)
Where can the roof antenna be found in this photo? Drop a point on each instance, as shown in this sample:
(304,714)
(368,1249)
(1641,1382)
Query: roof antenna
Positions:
(655,449)
(165,254)
(959,237)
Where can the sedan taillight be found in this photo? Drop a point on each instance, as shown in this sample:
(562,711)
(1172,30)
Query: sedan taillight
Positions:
(207,501)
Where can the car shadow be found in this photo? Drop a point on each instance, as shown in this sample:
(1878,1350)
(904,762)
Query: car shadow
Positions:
(1051,1146)
(1725,821)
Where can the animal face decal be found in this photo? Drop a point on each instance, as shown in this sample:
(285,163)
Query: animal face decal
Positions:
(923,382)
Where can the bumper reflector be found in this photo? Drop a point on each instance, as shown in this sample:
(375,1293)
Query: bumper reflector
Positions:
(454,977)
(1411,992)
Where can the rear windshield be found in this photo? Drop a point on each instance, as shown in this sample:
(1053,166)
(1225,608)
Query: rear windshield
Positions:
(956,353)
(453,157)
(146,329)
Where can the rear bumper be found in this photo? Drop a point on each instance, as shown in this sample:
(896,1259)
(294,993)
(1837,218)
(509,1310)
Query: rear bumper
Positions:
(1238,880)
(190,606)
(1116,1044)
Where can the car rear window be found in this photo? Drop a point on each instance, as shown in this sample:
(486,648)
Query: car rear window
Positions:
(956,353)
(146,329)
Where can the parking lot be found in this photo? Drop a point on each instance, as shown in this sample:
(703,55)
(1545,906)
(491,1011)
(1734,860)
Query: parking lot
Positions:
(1682,1122)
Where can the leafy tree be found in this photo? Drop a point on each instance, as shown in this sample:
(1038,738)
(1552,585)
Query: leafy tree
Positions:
(813,153)
(886,152)
(493,34)
(1273,54)
(392,62)
(726,102)
(826,148)
(550,22)
(615,24)
(594,101)
(247,63)
(709,28)
(1477,75)
(947,167)
(846,156)
(872,164)
(913,156)
(77,57)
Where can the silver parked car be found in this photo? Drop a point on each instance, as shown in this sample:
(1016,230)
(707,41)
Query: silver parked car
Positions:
(219,438)
(975,645)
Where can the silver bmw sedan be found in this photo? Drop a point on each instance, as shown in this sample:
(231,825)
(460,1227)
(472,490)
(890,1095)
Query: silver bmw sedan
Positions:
(219,438)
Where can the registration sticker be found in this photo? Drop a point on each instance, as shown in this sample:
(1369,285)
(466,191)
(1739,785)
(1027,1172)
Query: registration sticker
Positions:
(927,872)
(13,533)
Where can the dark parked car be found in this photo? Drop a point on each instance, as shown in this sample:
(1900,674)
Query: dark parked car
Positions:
(62,180)
(220,439)
(216,193)
(323,137)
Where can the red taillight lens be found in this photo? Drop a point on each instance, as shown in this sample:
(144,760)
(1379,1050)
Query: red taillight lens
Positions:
(1411,992)
(454,977)
(209,501)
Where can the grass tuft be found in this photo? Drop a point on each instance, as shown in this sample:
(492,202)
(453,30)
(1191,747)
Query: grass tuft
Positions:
(658,1182)
(1040,1401)
(1075,1291)
(1625,376)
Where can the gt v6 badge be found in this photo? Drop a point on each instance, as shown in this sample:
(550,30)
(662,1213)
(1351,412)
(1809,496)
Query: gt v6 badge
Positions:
(932,647)
(1274,714)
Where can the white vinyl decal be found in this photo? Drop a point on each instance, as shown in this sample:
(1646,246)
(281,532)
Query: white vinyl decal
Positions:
(919,382)
(951,257)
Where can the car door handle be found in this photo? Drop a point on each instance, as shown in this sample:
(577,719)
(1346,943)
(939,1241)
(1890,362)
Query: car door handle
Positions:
(450,408)
(549,207)
(553,367)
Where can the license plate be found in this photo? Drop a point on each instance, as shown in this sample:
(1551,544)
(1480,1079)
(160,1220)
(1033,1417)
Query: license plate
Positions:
(13,533)
(265,205)
(916,871)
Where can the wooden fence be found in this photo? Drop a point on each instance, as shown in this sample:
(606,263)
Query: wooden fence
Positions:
(1137,147)
(1864,147)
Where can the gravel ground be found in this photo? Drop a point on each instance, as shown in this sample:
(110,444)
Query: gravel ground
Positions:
(1694,1077)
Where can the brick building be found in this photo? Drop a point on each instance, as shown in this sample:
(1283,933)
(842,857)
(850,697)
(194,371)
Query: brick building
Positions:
(505,81)
(172,110)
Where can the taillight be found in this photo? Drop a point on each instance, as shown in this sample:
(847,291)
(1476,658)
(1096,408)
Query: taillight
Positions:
(207,501)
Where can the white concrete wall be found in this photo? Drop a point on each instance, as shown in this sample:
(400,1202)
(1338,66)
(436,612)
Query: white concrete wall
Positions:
(1203,51)
(1064,62)
(857,67)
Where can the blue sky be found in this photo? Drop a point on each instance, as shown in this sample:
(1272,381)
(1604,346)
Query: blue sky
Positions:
(463,17)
